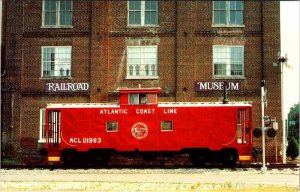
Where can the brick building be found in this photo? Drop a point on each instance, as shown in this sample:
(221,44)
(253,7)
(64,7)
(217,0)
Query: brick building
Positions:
(70,51)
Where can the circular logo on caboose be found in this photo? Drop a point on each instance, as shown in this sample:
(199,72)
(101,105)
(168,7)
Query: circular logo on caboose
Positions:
(139,130)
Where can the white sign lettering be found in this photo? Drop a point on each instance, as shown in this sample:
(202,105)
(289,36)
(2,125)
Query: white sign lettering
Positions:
(67,87)
(216,86)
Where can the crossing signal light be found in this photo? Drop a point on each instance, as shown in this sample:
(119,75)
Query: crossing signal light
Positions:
(271,132)
(257,132)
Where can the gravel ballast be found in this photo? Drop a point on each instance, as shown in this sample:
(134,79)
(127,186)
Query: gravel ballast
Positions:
(147,180)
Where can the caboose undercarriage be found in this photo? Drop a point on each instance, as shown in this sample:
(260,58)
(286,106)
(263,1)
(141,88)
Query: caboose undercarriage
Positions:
(196,157)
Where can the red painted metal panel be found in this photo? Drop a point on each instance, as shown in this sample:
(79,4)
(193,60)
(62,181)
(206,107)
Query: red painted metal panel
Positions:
(138,127)
(211,127)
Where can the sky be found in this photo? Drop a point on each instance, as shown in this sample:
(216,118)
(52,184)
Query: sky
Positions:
(289,17)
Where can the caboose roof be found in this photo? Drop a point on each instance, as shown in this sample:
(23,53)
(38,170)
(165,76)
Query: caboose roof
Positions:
(160,104)
(139,90)
(83,105)
(202,104)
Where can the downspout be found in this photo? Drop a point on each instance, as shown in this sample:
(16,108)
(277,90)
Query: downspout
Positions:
(262,40)
(90,46)
(176,52)
(3,14)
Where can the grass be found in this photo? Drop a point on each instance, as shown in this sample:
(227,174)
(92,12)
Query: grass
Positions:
(8,161)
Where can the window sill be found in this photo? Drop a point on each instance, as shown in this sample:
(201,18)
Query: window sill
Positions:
(42,141)
(53,78)
(142,26)
(142,77)
(227,26)
(57,26)
(230,77)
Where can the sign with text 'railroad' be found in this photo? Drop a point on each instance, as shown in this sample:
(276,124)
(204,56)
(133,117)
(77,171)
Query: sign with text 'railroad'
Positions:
(216,86)
(66,87)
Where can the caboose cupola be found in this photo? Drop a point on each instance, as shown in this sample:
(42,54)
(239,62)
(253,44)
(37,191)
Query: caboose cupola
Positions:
(138,96)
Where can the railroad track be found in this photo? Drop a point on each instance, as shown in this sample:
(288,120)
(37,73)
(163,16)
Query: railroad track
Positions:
(145,166)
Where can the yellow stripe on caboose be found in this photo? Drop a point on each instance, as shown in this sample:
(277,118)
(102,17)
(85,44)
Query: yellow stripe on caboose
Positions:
(54,158)
(245,157)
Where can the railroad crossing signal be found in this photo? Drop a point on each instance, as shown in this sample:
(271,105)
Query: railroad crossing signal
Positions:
(271,127)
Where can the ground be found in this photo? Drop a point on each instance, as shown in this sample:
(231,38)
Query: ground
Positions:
(150,180)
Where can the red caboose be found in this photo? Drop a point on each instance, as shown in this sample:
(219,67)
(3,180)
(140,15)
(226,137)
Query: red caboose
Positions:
(141,124)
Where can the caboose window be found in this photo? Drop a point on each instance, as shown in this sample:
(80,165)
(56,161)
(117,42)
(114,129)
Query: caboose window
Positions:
(152,98)
(166,126)
(142,98)
(134,99)
(112,126)
(242,126)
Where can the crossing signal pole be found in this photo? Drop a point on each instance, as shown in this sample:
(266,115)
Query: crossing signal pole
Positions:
(263,99)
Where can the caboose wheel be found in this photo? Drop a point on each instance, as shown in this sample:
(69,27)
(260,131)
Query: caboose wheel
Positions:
(149,156)
(200,158)
(98,157)
(101,159)
(229,157)
(69,156)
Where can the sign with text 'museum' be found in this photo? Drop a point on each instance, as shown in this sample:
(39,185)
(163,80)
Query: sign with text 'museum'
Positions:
(66,87)
(216,86)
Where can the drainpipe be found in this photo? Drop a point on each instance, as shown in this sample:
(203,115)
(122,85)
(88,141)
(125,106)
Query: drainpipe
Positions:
(262,40)
(90,46)
(176,52)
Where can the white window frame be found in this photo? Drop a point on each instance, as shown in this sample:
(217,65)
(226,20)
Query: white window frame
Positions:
(57,16)
(228,16)
(143,15)
(140,70)
(228,64)
(42,126)
(60,68)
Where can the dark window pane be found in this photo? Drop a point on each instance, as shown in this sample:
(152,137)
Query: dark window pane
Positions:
(223,17)
(134,5)
(239,17)
(239,5)
(232,5)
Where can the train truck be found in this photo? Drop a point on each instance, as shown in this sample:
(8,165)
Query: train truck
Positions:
(139,124)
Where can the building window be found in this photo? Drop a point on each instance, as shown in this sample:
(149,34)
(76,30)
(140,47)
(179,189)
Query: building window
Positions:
(166,126)
(57,13)
(112,126)
(228,61)
(141,62)
(142,13)
(56,61)
(228,13)
(42,137)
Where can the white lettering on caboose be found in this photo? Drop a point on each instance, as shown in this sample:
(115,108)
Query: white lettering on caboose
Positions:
(170,111)
(113,111)
(145,111)
(85,140)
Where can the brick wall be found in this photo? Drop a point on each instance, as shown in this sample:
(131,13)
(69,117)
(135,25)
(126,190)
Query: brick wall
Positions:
(99,36)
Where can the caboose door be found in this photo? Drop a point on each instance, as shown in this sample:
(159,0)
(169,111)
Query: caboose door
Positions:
(243,126)
(53,131)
